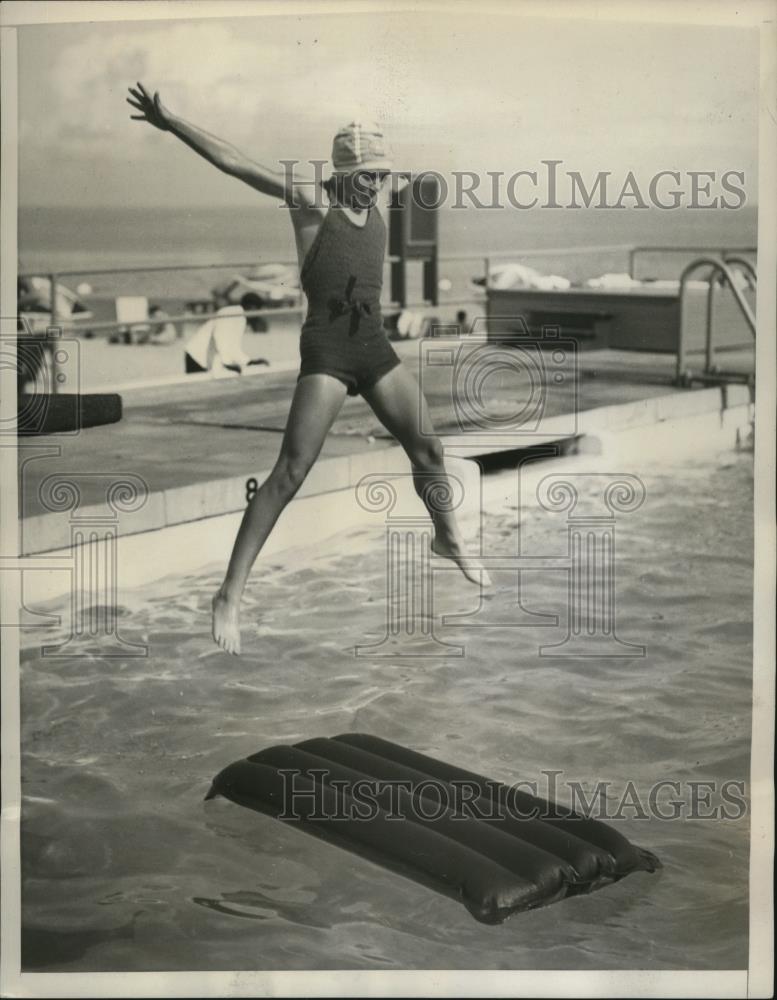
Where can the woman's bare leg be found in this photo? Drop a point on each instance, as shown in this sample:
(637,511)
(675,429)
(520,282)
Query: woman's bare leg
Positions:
(400,406)
(317,401)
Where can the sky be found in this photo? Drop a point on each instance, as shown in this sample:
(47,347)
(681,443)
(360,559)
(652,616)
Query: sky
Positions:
(453,91)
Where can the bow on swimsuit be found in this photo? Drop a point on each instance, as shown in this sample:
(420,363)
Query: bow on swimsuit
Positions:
(357,308)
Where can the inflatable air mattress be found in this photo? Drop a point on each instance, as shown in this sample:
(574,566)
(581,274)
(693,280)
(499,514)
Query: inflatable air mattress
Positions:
(496,849)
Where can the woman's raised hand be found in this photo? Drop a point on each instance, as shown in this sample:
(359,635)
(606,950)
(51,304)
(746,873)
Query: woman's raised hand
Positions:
(153,111)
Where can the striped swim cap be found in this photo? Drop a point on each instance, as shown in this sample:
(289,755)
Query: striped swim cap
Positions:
(359,146)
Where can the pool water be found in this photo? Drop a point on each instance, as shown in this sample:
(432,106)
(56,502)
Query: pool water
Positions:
(126,868)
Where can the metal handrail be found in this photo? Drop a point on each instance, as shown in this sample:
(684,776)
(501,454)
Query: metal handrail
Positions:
(541,252)
(491,255)
(745,265)
(719,270)
(153,268)
(647,248)
(289,262)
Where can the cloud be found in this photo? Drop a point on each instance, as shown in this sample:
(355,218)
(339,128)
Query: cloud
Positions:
(459,91)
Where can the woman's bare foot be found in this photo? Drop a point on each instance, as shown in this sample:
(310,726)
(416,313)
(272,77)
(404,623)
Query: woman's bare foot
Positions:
(471,567)
(226,623)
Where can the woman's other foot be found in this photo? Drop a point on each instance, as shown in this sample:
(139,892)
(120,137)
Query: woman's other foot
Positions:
(471,567)
(226,623)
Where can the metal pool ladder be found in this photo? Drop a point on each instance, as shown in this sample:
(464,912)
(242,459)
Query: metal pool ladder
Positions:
(721,273)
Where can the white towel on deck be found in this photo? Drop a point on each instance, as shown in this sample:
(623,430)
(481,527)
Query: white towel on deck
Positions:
(218,341)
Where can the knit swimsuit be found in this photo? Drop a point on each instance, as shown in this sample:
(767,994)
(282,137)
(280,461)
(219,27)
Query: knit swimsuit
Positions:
(342,277)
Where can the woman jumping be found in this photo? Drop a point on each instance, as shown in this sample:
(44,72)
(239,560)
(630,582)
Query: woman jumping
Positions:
(344,349)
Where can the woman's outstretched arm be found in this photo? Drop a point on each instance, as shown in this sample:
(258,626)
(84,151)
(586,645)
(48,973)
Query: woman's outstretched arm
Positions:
(221,154)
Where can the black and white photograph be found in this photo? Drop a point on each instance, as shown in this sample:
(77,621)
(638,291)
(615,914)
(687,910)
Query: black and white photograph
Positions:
(387,539)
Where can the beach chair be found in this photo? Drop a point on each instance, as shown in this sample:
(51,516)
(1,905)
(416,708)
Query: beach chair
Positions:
(217,345)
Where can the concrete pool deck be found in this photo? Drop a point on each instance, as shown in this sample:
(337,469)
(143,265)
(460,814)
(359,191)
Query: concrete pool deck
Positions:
(193,447)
